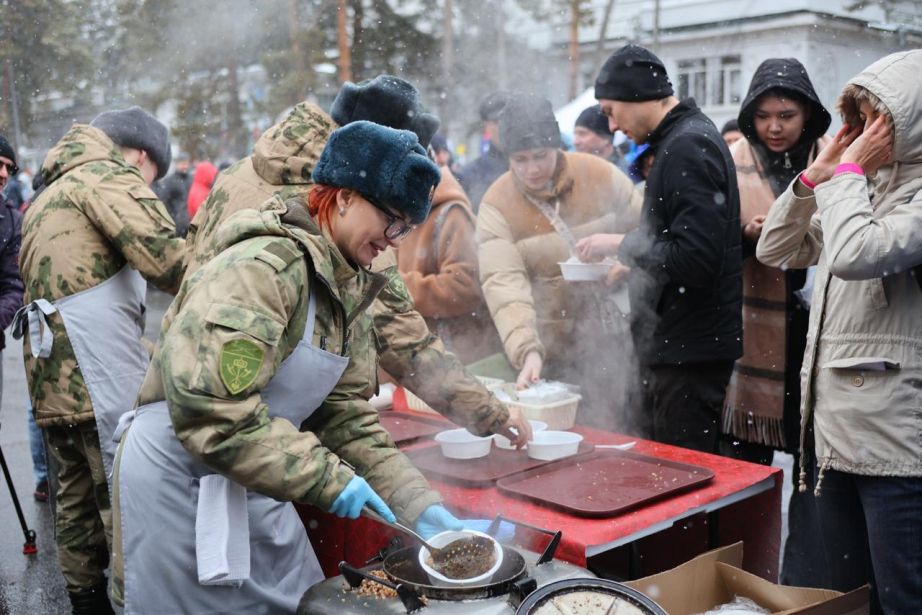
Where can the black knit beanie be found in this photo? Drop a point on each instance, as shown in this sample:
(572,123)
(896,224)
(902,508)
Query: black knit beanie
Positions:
(386,100)
(593,119)
(633,74)
(6,150)
(136,128)
(527,122)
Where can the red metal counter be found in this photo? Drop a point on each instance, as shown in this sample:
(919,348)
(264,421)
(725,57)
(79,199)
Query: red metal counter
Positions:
(743,499)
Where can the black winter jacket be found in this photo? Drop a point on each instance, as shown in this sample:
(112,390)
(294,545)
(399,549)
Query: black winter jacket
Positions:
(686,279)
(11,287)
(477,176)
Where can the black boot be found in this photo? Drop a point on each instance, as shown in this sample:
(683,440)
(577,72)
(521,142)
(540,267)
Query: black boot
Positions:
(92,601)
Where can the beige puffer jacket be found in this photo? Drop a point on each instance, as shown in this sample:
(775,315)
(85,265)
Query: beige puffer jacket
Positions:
(533,307)
(862,373)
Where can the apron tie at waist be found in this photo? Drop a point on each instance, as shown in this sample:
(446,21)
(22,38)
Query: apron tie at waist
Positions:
(123,422)
(32,317)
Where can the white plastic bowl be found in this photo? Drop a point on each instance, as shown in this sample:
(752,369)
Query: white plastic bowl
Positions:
(549,445)
(462,444)
(584,272)
(506,443)
(443,539)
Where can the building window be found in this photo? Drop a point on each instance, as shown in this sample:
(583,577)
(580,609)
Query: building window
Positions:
(713,82)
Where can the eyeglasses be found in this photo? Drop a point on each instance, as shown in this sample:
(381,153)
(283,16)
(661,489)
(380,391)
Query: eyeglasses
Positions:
(11,167)
(397,228)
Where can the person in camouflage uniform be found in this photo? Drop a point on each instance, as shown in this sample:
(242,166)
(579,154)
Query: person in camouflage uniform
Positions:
(223,357)
(95,221)
(281,164)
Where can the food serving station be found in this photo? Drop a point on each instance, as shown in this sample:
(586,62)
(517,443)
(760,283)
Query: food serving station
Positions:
(621,513)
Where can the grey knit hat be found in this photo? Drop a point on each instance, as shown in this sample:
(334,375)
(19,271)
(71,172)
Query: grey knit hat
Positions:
(136,128)
(527,122)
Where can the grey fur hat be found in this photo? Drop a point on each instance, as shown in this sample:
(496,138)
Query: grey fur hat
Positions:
(527,122)
(136,128)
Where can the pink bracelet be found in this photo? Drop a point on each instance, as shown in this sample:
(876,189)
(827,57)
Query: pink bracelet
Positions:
(848,167)
(806,182)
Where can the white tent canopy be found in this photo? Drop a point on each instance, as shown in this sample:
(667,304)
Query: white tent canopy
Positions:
(567,114)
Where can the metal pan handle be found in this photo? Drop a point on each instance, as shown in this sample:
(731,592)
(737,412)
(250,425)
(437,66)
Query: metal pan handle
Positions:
(551,548)
(408,597)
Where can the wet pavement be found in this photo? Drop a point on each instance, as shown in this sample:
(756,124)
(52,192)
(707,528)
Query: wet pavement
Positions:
(32,583)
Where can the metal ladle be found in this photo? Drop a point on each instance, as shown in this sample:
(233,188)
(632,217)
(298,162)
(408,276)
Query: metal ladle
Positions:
(399,526)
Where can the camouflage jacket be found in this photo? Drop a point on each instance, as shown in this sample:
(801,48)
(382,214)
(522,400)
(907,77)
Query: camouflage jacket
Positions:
(281,164)
(256,292)
(95,215)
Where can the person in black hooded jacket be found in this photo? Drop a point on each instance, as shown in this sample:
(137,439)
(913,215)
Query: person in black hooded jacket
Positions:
(783,123)
(684,281)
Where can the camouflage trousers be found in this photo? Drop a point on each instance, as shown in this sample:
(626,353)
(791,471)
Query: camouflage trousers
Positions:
(83,515)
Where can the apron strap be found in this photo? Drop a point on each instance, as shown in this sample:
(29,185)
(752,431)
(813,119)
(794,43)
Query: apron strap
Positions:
(311,316)
(32,317)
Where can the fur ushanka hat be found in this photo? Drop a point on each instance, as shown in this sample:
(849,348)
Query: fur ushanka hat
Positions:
(386,100)
(386,166)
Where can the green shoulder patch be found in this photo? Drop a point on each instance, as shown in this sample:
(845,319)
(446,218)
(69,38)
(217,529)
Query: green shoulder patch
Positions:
(239,364)
(279,256)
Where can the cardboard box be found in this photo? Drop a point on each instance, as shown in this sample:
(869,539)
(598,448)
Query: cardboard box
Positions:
(715,578)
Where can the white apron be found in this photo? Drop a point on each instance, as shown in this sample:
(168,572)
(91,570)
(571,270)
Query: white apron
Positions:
(159,486)
(104,325)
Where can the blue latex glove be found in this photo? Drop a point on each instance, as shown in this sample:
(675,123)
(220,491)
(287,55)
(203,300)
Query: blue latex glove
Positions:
(436,519)
(357,494)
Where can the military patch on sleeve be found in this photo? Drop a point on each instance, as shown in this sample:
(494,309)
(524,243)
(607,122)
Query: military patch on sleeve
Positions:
(239,364)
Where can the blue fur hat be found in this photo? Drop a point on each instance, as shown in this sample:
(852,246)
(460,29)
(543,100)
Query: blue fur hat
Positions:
(386,166)
(386,100)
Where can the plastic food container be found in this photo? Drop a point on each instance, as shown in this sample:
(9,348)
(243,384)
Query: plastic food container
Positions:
(415,403)
(560,414)
(443,539)
(462,444)
(549,445)
(504,442)
(576,271)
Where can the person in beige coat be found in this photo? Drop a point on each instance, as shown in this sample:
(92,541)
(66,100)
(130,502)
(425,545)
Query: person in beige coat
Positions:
(856,213)
(529,221)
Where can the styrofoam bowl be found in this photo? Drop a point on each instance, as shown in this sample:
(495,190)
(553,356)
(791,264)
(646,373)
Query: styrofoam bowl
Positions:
(443,539)
(504,442)
(462,444)
(584,272)
(549,445)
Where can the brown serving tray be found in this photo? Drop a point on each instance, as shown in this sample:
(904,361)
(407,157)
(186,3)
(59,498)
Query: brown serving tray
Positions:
(481,472)
(405,428)
(605,483)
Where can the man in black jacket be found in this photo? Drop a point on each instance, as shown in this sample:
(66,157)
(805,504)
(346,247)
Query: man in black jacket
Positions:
(685,263)
(479,174)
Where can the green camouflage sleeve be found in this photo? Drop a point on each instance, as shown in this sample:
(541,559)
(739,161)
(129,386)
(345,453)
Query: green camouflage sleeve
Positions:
(242,308)
(418,360)
(129,214)
(349,426)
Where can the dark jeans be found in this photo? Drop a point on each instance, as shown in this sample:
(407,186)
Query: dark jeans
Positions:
(872,532)
(687,400)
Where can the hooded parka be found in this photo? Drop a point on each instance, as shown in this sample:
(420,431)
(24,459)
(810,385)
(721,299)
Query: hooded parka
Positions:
(863,361)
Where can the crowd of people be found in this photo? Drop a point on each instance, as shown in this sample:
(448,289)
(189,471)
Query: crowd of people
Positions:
(770,268)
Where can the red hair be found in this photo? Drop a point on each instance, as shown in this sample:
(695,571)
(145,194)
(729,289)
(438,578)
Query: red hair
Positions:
(321,203)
